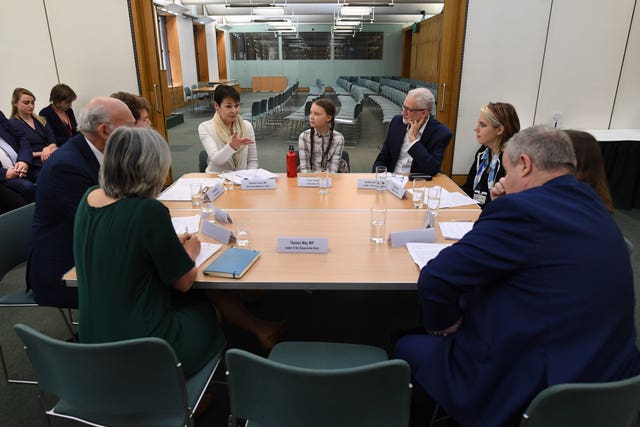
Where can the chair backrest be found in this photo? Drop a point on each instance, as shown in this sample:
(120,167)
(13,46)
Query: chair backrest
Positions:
(15,228)
(602,404)
(135,380)
(255,108)
(272,394)
(187,91)
(202,161)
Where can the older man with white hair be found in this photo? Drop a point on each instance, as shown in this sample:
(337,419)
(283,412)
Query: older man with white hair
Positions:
(62,182)
(415,140)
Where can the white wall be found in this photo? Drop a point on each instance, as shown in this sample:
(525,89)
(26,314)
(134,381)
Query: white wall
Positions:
(546,57)
(626,111)
(27,58)
(187,51)
(502,60)
(92,45)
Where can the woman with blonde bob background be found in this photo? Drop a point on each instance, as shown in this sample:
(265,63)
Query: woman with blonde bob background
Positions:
(497,122)
(134,273)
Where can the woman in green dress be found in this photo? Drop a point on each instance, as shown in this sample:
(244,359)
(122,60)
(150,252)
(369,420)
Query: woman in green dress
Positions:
(134,272)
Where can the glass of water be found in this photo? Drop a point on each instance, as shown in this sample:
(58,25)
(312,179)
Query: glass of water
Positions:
(227,184)
(378,221)
(381,178)
(241,226)
(197,196)
(323,181)
(418,192)
(433,203)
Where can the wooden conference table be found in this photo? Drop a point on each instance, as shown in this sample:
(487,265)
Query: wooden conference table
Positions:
(342,216)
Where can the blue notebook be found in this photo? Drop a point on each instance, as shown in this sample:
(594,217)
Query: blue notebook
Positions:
(233,263)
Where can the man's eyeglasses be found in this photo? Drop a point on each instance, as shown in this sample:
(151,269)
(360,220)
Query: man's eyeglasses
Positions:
(412,110)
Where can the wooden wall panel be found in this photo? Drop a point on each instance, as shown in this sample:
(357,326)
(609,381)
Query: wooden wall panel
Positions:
(426,49)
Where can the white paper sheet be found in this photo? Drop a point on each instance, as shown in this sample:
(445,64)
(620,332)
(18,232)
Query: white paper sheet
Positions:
(454,230)
(180,189)
(453,199)
(239,175)
(206,250)
(186,224)
(424,252)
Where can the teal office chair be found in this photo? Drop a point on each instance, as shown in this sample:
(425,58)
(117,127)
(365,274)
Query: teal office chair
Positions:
(318,385)
(586,405)
(15,229)
(134,382)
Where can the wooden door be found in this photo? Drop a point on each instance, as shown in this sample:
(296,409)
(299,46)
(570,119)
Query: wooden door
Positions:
(150,78)
(455,15)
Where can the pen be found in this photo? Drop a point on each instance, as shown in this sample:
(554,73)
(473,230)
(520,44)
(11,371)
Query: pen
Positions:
(461,220)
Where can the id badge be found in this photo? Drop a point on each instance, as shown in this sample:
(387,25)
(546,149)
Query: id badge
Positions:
(480,196)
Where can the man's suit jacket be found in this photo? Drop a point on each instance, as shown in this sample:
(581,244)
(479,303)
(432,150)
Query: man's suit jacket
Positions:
(63,180)
(17,140)
(544,287)
(427,153)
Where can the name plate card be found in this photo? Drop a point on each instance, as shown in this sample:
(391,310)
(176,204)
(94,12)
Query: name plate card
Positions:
(421,235)
(214,192)
(310,181)
(367,183)
(396,189)
(217,232)
(303,245)
(258,184)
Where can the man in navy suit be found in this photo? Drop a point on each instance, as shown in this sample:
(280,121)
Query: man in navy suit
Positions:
(415,141)
(15,159)
(63,180)
(539,292)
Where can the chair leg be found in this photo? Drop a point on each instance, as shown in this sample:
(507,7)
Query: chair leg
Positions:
(68,322)
(6,373)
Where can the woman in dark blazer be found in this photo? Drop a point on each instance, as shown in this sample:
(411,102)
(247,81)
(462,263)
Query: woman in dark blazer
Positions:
(497,122)
(36,130)
(59,113)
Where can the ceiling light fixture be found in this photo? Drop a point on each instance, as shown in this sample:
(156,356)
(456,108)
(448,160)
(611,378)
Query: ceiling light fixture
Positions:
(268,11)
(346,23)
(176,8)
(355,10)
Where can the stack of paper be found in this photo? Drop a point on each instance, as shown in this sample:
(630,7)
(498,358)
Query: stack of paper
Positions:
(180,189)
(422,253)
(454,230)
(239,175)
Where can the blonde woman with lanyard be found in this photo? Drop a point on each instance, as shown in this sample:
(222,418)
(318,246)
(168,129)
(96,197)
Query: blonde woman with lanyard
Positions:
(497,122)
(228,139)
(321,147)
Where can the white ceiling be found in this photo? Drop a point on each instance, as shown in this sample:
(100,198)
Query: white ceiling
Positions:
(313,12)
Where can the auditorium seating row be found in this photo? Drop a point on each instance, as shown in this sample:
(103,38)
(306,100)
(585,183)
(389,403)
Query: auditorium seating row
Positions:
(270,112)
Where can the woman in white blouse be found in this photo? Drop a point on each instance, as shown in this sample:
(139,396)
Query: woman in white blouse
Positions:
(228,139)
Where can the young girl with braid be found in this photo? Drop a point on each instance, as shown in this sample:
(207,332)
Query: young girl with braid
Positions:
(320,147)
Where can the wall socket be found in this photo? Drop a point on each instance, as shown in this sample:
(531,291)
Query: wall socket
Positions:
(556,120)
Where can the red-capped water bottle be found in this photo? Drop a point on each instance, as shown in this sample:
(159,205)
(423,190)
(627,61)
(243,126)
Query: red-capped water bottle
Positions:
(292,167)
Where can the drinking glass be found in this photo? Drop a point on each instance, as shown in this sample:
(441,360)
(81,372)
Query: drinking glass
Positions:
(419,187)
(197,196)
(433,203)
(208,212)
(227,184)
(323,181)
(241,226)
(381,178)
(378,220)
